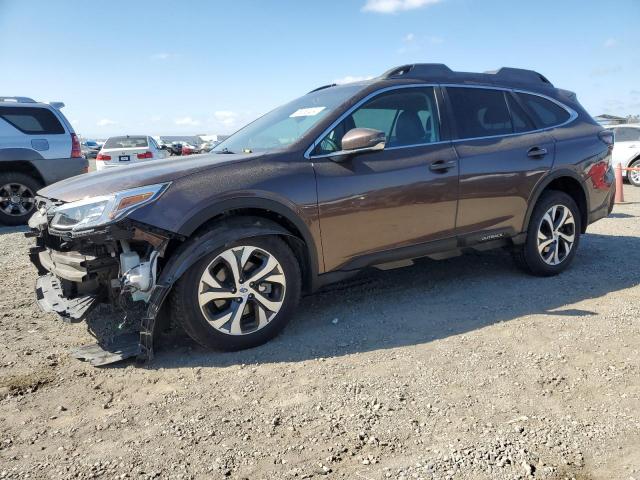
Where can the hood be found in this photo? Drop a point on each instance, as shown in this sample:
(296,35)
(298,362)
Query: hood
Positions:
(131,176)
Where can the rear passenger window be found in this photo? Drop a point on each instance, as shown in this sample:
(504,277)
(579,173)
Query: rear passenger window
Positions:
(545,112)
(479,112)
(31,120)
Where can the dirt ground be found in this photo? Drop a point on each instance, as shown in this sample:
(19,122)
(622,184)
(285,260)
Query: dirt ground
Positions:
(460,369)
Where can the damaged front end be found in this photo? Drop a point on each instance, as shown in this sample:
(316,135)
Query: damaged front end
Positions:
(88,253)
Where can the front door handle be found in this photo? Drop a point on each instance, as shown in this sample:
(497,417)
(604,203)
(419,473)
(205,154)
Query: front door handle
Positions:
(537,152)
(442,166)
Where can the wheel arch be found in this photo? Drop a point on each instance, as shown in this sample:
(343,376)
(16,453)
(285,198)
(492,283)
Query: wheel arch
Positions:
(276,217)
(633,159)
(565,181)
(22,166)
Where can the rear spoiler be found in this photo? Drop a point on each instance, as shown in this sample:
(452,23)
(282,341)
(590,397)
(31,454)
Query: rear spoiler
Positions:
(57,105)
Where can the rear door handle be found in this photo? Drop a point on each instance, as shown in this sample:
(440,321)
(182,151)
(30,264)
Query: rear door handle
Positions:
(442,166)
(536,152)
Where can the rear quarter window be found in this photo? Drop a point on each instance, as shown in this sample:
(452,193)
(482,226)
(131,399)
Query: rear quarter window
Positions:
(32,120)
(545,113)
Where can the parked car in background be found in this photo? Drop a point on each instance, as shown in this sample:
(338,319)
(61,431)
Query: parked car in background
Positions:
(37,147)
(163,145)
(626,151)
(90,148)
(175,148)
(206,147)
(189,149)
(176,142)
(419,162)
(127,150)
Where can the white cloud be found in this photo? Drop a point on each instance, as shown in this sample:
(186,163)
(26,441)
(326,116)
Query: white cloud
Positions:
(413,44)
(105,122)
(163,56)
(226,117)
(186,121)
(395,6)
(610,43)
(351,79)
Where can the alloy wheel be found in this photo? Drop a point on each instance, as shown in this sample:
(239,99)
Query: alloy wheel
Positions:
(634,175)
(16,199)
(556,235)
(241,290)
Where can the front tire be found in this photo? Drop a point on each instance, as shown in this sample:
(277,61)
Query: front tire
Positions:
(17,197)
(239,296)
(634,175)
(553,236)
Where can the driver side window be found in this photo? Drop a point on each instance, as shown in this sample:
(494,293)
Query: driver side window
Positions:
(407,116)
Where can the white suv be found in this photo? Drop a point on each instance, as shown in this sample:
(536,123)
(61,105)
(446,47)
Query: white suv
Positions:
(626,150)
(37,147)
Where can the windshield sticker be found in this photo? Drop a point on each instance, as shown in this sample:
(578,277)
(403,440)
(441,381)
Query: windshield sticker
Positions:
(307,112)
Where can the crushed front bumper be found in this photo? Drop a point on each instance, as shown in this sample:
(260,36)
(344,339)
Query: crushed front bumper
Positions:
(79,272)
(51,299)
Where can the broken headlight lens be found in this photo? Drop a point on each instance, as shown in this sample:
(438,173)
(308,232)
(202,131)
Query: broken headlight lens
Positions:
(96,211)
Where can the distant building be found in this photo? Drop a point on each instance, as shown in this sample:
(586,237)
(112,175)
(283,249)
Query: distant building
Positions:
(607,120)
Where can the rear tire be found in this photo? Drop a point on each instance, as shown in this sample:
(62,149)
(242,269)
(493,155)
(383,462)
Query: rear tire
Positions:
(634,176)
(222,312)
(553,236)
(17,197)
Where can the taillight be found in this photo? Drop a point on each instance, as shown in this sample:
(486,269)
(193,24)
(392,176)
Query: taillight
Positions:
(76,151)
(103,157)
(144,155)
(607,137)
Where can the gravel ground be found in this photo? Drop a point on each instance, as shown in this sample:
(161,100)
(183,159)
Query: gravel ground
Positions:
(460,369)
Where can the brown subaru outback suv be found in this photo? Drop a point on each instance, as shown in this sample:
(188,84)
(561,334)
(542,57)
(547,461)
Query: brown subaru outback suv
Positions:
(421,161)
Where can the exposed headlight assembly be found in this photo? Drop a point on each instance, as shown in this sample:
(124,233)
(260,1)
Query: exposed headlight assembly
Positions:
(93,212)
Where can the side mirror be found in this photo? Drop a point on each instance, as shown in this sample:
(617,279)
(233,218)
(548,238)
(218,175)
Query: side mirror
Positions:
(363,139)
(360,140)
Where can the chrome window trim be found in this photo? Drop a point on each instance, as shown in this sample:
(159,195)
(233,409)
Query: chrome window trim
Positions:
(334,124)
(573,115)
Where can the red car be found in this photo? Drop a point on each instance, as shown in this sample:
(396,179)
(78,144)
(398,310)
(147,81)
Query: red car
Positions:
(189,149)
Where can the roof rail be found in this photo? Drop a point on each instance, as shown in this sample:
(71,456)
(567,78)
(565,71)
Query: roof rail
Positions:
(440,72)
(519,75)
(418,70)
(17,99)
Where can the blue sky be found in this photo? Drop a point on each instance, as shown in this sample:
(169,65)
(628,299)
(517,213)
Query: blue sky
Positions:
(185,67)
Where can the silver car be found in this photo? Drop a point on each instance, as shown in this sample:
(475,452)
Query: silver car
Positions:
(37,147)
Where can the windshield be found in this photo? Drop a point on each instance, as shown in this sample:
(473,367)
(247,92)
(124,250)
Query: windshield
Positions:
(286,124)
